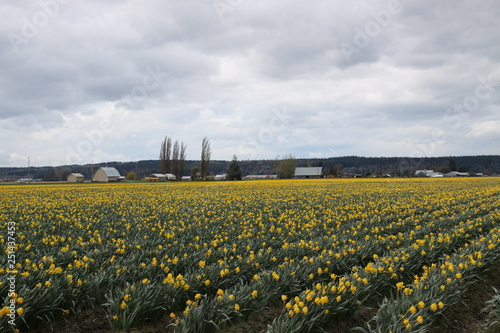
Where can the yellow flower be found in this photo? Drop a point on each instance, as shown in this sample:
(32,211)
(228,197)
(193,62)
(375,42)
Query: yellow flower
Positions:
(20,311)
(115,317)
(400,285)
(421,305)
(458,275)
(127,297)
(236,307)
(305,310)
(284,297)
(172,315)
(47,283)
(420,319)
(441,305)
(434,307)
(123,305)
(413,309)
(20,300)
(220,292)
(255,293)
(207,283)
(202,263)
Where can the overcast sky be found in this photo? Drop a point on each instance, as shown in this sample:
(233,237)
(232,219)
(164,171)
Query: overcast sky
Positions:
(108,80)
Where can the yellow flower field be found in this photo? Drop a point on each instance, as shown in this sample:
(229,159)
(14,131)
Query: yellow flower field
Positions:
(206,255)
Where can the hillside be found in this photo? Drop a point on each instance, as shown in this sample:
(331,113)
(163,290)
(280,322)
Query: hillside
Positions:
(350,165)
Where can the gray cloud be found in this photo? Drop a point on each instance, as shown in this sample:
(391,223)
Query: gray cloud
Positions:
(375,79)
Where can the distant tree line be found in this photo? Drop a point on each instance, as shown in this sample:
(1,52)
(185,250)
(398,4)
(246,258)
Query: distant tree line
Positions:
(340,166)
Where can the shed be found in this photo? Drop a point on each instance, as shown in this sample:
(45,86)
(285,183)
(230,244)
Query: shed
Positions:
(75,178)
(170,176)
(106,174)
(456,174)
(221,177)
(157,177)
(308,172)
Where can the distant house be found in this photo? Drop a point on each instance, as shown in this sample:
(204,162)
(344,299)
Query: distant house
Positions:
(157,177)
(106,174)
(456,174)
(170,176)
(25,180)
(428,173)
(221,177)
(256,177)
(75,178)
(308,172)
(186,178)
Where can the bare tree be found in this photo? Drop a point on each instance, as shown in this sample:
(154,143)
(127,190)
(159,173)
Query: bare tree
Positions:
(165,152)
(175,158)
(286,167)
(182,160)
(205,157)
(169,152)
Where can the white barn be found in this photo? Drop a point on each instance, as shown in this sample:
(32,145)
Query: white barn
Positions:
(106,174)
(308,172)
(75,178)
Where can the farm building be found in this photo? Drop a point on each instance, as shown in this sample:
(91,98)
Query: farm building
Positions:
(456,174)
(186,178)
(428,173)
(106,174)
(170,176)
(308,172)
(255,177)
(75,178)
(157,177)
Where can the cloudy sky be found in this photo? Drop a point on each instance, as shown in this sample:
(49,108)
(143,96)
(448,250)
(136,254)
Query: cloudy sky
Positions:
(108,80)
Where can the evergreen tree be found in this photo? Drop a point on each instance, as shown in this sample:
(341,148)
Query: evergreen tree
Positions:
(234,170)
